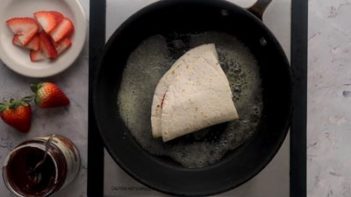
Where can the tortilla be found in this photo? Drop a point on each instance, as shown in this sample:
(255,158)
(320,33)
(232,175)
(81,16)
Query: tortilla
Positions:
(192,95)
(158,97)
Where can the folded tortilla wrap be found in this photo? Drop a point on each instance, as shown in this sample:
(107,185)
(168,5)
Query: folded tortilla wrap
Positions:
(192,95)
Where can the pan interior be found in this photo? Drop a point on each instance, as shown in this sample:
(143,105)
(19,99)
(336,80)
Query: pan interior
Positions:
(147,64)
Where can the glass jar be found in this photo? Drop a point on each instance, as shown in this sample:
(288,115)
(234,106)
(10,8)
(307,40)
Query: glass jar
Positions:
(41,166)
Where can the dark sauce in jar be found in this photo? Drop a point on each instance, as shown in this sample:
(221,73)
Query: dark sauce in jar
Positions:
(41,166)
(25,178)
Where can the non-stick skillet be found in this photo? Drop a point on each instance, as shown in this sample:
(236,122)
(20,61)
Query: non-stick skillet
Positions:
(182,16)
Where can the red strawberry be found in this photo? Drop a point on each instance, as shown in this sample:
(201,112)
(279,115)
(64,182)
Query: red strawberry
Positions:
(64,29)
(48,20)
(25,28)
(48,95)
(63,45)
(16,41)
(47,46)
(34,43)
(58,15)
(17,113)
(36,56)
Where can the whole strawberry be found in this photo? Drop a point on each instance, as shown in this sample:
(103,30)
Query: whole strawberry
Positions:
(49,95)
(17,113)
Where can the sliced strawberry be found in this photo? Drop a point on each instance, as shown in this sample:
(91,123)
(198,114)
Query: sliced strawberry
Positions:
(36,56)
(25,28)
(47,46)
(63,45)
(48,20)
(16,41)
(58,16)
(64,29)
(34,43)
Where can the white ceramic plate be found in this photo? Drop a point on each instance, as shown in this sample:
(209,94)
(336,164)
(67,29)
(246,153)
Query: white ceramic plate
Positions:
(17,59)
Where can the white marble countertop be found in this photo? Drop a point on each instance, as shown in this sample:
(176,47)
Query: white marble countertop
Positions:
(71,122)
(329,99)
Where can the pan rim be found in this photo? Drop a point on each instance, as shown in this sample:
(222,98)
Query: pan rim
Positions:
(125,168)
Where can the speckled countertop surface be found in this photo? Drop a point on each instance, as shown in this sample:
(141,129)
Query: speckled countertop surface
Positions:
(329,99)
(70,122)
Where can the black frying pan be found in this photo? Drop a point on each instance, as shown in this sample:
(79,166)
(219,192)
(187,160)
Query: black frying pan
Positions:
(181,16)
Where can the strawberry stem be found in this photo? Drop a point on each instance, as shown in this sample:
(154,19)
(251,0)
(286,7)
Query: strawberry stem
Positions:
(28,99)
(2,107)
(13,104)
(35,87)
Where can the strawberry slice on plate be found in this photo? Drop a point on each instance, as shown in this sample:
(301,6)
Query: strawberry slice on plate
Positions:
(36,56)
(64,29)
(24,27)
(48,20)
(63,45)
(16,41)
(58,15)
(34,43)
(47,46)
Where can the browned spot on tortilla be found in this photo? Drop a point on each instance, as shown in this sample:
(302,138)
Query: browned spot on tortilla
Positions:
(173,72)
(196,109)
(158,106)
(163,99)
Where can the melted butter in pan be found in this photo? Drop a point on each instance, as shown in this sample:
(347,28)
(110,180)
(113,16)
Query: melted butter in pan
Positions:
(147,64)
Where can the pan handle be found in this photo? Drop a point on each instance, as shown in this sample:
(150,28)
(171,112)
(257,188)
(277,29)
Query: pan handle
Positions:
(259,7)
